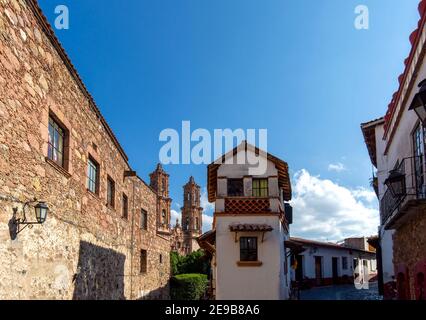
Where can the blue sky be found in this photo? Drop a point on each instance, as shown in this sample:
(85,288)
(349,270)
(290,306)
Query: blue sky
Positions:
(298,68)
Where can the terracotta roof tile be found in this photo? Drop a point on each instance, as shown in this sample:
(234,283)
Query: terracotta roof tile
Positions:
(414,38)
(250,228)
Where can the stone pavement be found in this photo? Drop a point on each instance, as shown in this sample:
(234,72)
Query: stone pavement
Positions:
(341,292)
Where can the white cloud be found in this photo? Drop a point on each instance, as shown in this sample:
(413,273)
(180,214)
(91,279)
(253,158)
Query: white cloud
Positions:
(208,209)
(364,194)
(337,167)
(207,222)
(175,215)
(204,202)
(326,211)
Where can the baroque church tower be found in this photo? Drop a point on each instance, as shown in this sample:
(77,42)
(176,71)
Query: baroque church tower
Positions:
(192,213)
(159,181)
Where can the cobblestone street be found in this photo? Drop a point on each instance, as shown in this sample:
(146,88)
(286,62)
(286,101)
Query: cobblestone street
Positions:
(342,292)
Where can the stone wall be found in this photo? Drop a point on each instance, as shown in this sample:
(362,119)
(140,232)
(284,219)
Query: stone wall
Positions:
(85,249)
(409,248)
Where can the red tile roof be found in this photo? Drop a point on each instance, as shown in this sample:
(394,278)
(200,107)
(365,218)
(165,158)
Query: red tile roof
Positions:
(414,39)
(282,167)
(326,244)
(250,228)
(369,132)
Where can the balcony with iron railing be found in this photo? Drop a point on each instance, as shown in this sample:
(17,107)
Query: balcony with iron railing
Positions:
(406,192)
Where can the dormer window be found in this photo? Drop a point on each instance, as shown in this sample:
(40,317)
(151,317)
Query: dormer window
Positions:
(235,188)
(260,187)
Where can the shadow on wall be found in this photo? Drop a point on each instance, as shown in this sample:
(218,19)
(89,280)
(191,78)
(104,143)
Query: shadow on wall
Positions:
(161,293)
(100,274)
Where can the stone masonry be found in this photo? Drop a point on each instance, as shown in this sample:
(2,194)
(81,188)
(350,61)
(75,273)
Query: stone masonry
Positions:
(409,256)
(85,249)
(184,237)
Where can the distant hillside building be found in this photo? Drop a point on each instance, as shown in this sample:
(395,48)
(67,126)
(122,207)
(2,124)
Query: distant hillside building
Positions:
(184,235)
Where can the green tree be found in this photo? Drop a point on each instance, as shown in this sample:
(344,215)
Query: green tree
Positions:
(196,262)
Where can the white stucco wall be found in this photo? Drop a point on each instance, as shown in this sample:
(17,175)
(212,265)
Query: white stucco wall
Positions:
(239,171)
(250,283)
(327,254)
(387,255)
(233,281)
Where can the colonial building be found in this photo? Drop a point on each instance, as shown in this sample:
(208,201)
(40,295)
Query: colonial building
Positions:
(177,240)
(250,228)
(324,263)
(396,145)
(101,238)
(185,236)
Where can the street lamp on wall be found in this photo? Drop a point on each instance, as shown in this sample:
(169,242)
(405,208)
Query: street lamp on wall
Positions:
(396,183)
(419,102)
(40,209)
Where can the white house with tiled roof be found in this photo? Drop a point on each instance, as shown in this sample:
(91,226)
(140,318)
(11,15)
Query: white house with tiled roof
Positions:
(325,263)
(250,227)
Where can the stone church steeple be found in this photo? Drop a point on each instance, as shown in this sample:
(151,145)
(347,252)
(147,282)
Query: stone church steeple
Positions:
(192,213)
(159,182)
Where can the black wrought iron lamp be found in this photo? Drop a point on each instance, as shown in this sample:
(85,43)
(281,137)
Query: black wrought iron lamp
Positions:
(41,210)
(419,102)
(396,183)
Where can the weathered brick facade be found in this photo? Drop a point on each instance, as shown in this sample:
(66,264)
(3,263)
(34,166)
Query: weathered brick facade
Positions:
(85,249)
(409,254)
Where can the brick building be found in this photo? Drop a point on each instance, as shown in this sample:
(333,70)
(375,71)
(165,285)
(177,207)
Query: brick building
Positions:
(184,237)
(102,238)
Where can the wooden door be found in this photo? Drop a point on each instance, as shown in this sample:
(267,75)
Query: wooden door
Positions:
(318,270)
(335,269)
(299,270)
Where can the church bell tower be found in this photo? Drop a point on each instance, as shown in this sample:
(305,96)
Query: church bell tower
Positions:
(192,213)
(159,181)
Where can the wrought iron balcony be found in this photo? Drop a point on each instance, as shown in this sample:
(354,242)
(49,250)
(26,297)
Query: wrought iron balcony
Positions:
(410,197)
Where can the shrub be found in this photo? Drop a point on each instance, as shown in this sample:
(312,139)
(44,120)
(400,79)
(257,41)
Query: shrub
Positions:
(196,262)
(188,286)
